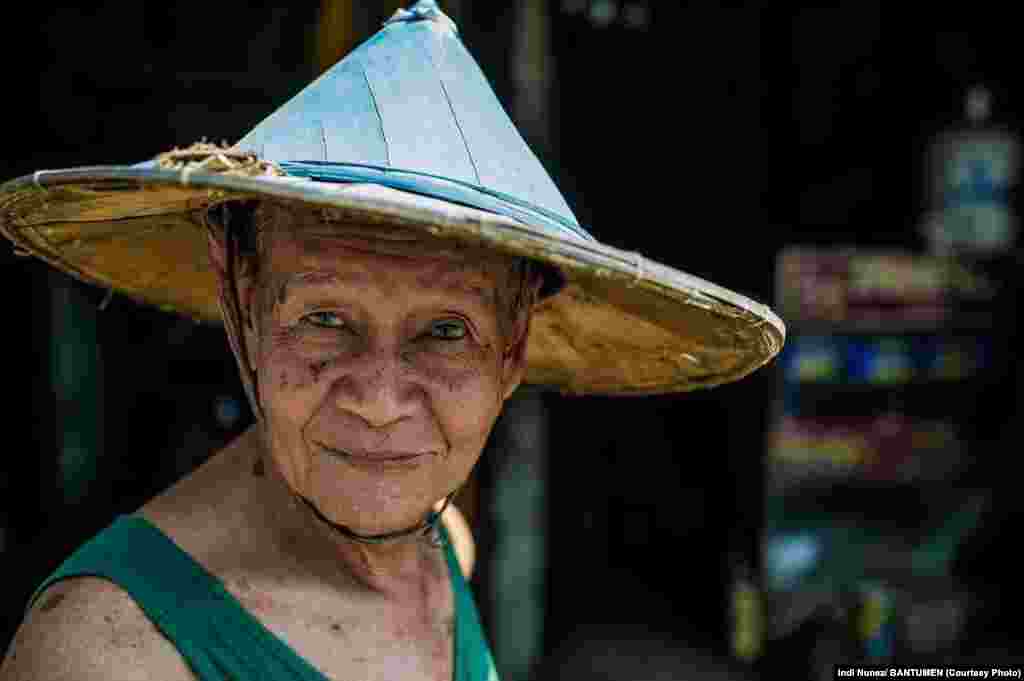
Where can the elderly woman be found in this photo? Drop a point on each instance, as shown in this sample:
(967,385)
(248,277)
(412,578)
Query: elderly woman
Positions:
(386,282)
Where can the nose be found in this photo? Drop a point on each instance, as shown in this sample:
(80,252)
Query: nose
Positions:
(377,386)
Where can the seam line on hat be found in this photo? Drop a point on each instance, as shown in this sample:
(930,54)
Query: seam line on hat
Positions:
(458,126)
(376,110)
(455,116)
(323,139)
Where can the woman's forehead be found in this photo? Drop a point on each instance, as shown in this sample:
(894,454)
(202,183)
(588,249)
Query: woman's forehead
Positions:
(312,250)
(315,255)
(316,231)
(299,285)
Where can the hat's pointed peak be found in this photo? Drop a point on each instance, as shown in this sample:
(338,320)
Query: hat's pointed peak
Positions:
(423,10)
(411,109)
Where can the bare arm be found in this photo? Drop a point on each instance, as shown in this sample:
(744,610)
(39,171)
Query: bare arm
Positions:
(87,629)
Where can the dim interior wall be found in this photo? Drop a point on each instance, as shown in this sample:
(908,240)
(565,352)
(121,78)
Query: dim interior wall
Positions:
(113,83)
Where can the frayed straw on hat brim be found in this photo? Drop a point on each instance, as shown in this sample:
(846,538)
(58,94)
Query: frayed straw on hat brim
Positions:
(623,324)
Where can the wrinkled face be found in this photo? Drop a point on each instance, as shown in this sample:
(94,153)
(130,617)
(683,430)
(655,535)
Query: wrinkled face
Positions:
(382,365)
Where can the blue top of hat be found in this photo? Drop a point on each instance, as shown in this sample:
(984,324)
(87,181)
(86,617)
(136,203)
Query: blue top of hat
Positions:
(410,109)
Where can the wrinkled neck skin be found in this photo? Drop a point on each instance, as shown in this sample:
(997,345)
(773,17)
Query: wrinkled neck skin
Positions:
(400,569)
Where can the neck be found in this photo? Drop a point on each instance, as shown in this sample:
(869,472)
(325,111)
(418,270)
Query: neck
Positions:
(427,529)
(397,565)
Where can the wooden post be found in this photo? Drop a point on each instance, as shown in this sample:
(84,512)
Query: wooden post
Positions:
(519,494)
(76,375)
(336,32)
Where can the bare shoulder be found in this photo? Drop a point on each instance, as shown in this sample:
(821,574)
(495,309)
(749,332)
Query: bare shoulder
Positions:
(461,535)
(88,628)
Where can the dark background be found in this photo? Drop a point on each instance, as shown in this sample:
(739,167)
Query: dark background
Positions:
(708,137)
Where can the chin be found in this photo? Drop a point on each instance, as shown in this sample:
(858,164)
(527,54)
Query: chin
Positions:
(370,508)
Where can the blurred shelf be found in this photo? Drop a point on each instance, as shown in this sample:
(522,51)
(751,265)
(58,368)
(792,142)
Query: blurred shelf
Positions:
(917,502)
(908,591)
(787,482)
(829,291)
(857,388)
(882,448)
(874,472)
(981,323)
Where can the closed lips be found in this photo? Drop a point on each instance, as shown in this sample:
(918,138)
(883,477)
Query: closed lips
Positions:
(378,455)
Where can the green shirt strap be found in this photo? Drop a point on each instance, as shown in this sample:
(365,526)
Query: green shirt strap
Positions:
(218,638)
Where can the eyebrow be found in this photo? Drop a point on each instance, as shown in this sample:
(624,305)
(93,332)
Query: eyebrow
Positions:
(314,279)
(450,281)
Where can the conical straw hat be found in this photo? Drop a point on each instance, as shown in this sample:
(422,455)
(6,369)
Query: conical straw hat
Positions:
(404,130)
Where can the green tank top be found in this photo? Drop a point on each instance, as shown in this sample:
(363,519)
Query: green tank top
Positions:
(218,638)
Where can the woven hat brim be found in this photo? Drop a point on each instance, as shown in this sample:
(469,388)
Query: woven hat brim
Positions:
(623,324)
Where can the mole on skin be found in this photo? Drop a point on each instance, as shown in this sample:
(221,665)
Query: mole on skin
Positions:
(51,603)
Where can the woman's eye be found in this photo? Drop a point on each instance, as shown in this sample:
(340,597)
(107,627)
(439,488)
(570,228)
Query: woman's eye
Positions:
(449,329)
(326,320)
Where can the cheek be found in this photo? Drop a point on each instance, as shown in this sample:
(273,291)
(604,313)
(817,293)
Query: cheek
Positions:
(286,379)
(466,400)
(285,374)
